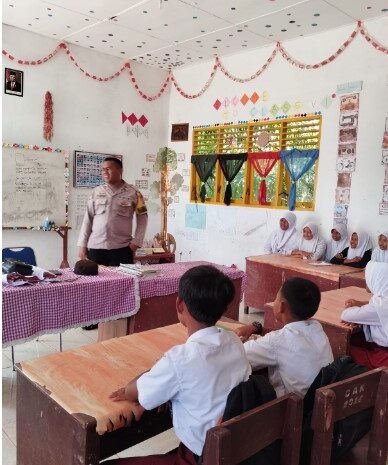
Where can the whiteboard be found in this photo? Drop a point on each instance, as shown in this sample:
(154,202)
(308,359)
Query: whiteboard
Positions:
(34,187)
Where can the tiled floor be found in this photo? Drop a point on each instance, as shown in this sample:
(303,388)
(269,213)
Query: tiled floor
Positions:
(49,344)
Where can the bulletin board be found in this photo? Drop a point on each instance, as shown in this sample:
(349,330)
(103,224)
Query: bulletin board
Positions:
(87,168)
(35,186)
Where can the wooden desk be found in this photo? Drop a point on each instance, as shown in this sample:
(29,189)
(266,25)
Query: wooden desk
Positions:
(63,412)
(266,274)
(165,257)
(353,279)
(329,315)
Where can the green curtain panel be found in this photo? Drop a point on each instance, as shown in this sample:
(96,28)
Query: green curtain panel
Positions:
(204,165)
(231,164)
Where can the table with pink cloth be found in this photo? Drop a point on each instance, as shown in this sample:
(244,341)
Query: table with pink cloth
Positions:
(147,302)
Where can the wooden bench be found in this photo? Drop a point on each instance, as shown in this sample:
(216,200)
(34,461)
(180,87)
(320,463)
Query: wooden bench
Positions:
(329,315)
(345,398)
(267,273)
(241,437)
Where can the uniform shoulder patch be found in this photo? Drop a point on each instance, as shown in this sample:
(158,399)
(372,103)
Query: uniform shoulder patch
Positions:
(141,209)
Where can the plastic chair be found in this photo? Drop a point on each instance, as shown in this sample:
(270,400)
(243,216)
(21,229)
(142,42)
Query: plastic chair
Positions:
(24,254)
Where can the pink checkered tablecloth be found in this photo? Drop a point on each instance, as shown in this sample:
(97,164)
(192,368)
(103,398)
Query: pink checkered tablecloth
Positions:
(32,310)
(167,279)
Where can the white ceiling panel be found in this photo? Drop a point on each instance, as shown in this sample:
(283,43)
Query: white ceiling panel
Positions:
(237,11)
(114,40)
(98,9)
(304,19)
(39,17)
(361,9)
(172,21)
(172,33)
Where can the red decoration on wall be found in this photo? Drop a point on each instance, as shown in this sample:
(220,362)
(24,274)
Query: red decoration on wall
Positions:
(263,162)
(360,28)
(48,117)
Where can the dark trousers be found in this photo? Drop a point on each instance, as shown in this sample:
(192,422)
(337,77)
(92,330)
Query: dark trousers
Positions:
(180,456)
(111,257)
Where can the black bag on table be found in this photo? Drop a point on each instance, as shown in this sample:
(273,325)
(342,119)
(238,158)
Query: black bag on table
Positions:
(11,265)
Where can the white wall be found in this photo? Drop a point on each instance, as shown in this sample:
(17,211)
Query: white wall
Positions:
(224,240)
(87,116)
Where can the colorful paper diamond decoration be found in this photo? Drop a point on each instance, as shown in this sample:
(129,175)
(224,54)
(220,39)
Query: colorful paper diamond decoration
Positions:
(286,107)
(217,104)
(143,120)
(235,101)
(244,99)
(132,119)
(274,110)
(254,97)
(226,102)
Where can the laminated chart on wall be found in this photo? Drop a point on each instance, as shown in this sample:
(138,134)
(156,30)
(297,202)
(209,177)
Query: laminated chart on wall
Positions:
(383,207)
(347,150)
(195,216)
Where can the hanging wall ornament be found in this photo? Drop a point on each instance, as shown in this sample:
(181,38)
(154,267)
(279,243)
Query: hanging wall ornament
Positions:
(48,117)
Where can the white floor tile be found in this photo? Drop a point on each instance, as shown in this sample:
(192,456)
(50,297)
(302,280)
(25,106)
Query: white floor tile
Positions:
(6,360)
(10,430)
(9,395)
(9,451)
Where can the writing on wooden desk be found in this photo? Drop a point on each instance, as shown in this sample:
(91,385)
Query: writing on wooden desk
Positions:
(353,396)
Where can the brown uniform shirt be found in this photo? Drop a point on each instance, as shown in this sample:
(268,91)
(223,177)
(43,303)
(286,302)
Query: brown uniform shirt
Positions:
(108,218)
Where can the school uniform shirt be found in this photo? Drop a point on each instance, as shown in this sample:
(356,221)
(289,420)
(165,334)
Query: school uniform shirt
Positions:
(197,377)
(361,264)
(374,316)
(294,355)
(283,242)
(379,255)
(316,246)
(107,223)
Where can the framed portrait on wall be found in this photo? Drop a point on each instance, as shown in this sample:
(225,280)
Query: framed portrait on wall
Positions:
(13,82)
(87,168)
(180,132)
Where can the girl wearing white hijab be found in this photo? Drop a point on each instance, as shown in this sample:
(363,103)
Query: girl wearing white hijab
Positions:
(338,242)
(372,350)
(380,253)
(283,240)
(310,245)
(360,251)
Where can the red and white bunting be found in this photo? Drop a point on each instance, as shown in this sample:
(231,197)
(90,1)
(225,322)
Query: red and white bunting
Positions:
(202,91)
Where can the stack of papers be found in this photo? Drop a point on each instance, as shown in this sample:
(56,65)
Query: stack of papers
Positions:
(137,270)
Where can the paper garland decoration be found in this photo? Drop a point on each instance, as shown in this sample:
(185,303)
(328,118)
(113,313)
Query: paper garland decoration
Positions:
(383,207)
(346,157)
(360,28)
(133,119)
(48,117)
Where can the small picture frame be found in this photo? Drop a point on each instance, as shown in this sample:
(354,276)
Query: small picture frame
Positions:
(13,82)
(180,132)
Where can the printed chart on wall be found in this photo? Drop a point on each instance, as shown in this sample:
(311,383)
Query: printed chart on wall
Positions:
(35,186)
(87,168)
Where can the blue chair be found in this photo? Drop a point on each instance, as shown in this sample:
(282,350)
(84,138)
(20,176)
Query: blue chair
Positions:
(24,254)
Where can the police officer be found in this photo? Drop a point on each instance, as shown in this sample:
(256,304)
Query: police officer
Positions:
(106,232)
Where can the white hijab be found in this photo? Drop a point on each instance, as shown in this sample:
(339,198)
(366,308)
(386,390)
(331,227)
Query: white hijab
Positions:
(334,247)
(378,254)
(311,245)
(376,275)
(280,238)
(364,244)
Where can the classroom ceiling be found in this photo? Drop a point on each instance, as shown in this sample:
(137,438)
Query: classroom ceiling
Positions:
(174,33)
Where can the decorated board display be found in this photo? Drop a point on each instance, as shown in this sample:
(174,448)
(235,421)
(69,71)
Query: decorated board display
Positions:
(35,186)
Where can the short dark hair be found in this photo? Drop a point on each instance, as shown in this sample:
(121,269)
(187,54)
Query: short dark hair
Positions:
(303,297)
(207,292)
(118,162)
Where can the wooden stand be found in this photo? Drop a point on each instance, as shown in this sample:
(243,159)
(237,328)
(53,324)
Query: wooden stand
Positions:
(165,257)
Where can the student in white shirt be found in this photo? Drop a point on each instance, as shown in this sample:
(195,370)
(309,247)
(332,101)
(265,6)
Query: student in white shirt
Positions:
(296,353)
(196,376)
(284,239)
(370,348)
(338,241)
(380,253)
(311,246)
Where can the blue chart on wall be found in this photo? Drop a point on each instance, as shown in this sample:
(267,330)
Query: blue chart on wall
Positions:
(195,216)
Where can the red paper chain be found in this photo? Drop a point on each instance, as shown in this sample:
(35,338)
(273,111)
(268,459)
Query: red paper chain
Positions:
(218,64)
(202,91)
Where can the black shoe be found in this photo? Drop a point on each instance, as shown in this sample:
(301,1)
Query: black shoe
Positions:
(90,327)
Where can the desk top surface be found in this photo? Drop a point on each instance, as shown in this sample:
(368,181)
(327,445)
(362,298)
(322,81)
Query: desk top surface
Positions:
(333,303)
(304,266)
(82,379)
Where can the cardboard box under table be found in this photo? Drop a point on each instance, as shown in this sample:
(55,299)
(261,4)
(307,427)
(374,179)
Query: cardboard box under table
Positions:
(329,315)
(64,415)
(266,274)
